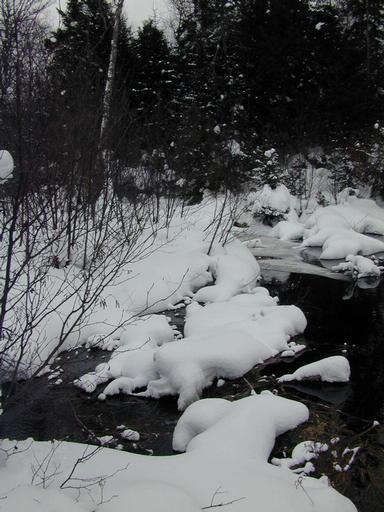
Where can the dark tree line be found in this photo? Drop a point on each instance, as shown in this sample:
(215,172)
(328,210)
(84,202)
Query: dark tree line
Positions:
(237,73)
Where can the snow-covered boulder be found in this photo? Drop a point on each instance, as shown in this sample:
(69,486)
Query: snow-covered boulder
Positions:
(286,230)
(235,271)
(223,345)
(330,369)
(223,340)
(359,265)
(341,230)
(147,331)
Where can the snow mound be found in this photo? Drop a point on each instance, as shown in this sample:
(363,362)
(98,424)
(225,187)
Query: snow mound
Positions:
(148,330)
(330,369)
(129,369)
(206,424)
(287,230)
(227,448)
(235,271)
(341,230)
(302,453)
(223,340)
(359,265)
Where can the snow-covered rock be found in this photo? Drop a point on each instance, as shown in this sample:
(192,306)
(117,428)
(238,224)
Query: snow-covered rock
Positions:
(341,230)
(235,271)
(129,369)
(302,454)
(359,265)
(286,230)
(223,340)
(147,331)
(330,369)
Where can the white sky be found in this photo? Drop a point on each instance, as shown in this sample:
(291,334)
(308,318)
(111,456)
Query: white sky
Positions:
(135,10)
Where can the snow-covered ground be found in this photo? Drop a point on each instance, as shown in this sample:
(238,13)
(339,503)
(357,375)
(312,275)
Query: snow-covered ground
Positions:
(232,324)
(70,307)
(227,446)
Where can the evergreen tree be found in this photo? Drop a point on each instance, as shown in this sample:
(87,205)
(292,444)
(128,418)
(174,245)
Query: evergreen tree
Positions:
(210,97)
(153,86)
(80,50)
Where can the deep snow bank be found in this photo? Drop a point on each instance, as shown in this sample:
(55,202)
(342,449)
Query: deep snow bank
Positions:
(68,308)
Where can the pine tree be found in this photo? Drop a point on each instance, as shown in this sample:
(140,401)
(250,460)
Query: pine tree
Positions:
(210,97)
(80,50)
(153,86)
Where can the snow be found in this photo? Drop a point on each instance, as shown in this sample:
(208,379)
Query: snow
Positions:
(330,369)
(31,498)
(301,454)
(278,199)
(105,440)
(6,165)
(341,230)
(149,330)
(167,267)
(234,269)
(129,369)
(226,461)
(293,349)
(234,147)
(154,496)
(358,265)
(223,340)
(130,435)
(286,230)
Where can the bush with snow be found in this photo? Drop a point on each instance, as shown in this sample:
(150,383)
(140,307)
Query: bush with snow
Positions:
(271,204)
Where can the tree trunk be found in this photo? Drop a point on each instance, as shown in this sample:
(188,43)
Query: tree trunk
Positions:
(107,102)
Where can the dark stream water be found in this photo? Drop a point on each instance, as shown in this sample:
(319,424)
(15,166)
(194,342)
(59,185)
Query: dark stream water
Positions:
(353,327)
